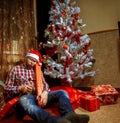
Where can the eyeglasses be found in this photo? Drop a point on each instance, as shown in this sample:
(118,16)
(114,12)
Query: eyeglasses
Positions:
(32,60)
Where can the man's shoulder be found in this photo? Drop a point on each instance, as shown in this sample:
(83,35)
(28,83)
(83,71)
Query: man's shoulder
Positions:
(20,66)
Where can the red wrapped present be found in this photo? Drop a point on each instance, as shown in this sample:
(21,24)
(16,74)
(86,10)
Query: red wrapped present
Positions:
(107,94)
(8,108)
(90,103)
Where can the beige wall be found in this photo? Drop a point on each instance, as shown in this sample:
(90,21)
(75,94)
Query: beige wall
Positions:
(107,54)
(106,46)
(99,14)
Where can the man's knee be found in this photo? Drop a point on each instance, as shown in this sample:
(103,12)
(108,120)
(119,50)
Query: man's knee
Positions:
(63,93)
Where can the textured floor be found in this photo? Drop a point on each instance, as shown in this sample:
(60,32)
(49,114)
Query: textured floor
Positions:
(106,114)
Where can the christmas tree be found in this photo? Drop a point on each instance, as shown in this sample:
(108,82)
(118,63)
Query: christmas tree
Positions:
(65,40)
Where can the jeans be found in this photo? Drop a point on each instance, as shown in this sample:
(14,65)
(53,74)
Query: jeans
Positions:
(27,105)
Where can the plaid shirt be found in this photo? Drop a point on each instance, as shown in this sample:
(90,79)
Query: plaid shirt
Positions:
(20,75)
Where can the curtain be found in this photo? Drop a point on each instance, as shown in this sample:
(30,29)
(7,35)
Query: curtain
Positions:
(17,32)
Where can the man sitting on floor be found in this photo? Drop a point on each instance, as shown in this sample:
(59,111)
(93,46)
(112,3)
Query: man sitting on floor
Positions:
(21,81)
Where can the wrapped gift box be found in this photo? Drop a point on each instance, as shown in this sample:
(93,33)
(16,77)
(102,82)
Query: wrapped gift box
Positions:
(8,108)
(90,103)
(107,94)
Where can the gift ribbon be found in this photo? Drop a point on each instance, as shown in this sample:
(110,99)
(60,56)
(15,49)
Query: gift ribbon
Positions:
(38,76)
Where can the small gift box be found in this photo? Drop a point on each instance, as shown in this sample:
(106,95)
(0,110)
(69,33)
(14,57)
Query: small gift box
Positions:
(90,103)
(8,108)
(107,94)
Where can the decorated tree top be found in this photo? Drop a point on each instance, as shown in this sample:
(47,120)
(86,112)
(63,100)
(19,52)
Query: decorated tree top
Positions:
(64,39)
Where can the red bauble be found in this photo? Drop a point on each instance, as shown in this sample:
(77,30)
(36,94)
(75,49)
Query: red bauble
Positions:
(64,28)
(50,28)
(55,16)
(61,1)
(76,28)
(69,62)
(85,51)
(54,7)
(55,32)
(64,13)
(76,16)
(50,68)
(65,47)
(69,34)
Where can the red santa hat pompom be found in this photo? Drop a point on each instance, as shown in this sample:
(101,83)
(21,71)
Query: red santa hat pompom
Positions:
(34,54)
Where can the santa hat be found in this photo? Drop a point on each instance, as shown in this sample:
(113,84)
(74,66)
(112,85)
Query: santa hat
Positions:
(34,54)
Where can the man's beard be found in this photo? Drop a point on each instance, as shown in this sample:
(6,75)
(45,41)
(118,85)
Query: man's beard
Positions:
(29,66)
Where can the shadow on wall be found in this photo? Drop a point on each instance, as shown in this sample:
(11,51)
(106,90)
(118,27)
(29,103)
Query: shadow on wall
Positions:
(119,44)
(119,52)
(86,82)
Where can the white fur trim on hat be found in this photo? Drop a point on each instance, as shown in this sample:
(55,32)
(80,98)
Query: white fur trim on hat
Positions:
(33,56)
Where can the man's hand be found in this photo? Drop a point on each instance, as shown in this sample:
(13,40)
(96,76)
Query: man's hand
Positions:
(42,99)
(26,88)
